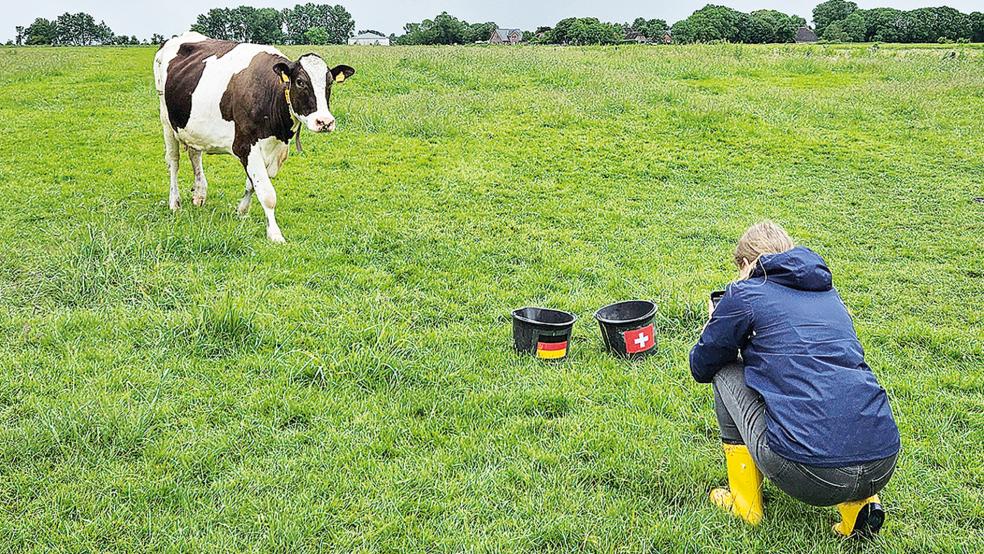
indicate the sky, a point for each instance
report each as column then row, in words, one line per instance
column 169, row 17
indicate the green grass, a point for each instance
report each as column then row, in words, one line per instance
column 177, row 383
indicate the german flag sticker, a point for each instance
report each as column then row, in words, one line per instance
column 551, row 350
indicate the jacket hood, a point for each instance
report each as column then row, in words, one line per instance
column 799, row 268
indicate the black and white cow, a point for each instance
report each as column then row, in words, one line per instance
column 248, row 100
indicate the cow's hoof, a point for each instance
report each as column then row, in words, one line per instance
column 174, row 204
column 275, row 237
column 198, row 200
column 243, row 209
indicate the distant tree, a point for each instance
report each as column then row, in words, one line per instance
column 243, row 24
column 935, row 24
column 20, row 34
column 42, row 31
column 885, row 25
column 560, row 34
column 834, row 32
column 445, row 29
column 770, row 26
column 828, row 12
column 300, row 18
column 123, row 40
column 589, row 30
column 719, row 23
column 584, row 30
column 476, row 32
column 711, row 23
column 316, row 35
column 340, row 26
column 852, row 29
column 215, row 24
column 157, row 39
column 241, row 20
column 265, row 26
column 103, row 33
column 652, row 29
column 81, row 29
column 335, row 20
column 977, row 26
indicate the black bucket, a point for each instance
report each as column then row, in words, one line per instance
column 543, row 332
column 627, row 328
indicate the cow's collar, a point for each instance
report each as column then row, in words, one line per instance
column 293, row 116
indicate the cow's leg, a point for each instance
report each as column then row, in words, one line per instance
column 276, row 160
column 256, row 169
column 172, row 154
column 243, row 207
column 201, row 185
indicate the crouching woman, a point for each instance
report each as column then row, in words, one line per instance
column 794, row 398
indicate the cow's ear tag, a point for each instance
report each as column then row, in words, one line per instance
column 340, row 78
column 286, row 80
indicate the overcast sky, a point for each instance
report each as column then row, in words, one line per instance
column 168, row 17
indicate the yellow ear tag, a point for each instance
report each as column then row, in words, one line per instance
column 340, row 78
column 286, row 80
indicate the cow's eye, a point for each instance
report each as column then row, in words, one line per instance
column 301, row 83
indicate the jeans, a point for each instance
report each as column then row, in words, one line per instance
column 742, row 419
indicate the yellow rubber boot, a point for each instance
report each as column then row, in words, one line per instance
column 744, row 499
column 863, row 518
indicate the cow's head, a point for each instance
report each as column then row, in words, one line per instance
column 310, row 81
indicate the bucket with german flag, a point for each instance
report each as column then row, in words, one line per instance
column 543, row 332
column 628, row 329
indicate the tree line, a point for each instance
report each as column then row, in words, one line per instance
column 843, row 21
column 834, row 21
column 719, row 23
column 444, row 29
column 303, row 24
column 74, row 29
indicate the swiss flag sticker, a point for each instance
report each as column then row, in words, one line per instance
column 639, row 340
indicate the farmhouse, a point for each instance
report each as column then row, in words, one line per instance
column 506, row 36
column 805, row 34
column 370, row 38
column 635, row 36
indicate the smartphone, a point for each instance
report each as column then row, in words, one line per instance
column 716, row 297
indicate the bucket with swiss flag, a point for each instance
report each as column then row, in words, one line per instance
column 627, row 328
column 543, row 332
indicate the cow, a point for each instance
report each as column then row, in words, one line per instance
column 248, row 100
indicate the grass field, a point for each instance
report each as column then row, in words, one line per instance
column 177, row 383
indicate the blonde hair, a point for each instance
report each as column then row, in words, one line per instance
column 765, row 237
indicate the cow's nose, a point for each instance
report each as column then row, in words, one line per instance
column 325, row 124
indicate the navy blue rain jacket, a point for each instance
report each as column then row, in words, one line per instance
column 801, row 353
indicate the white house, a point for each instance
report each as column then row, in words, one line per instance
column 371, row 39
